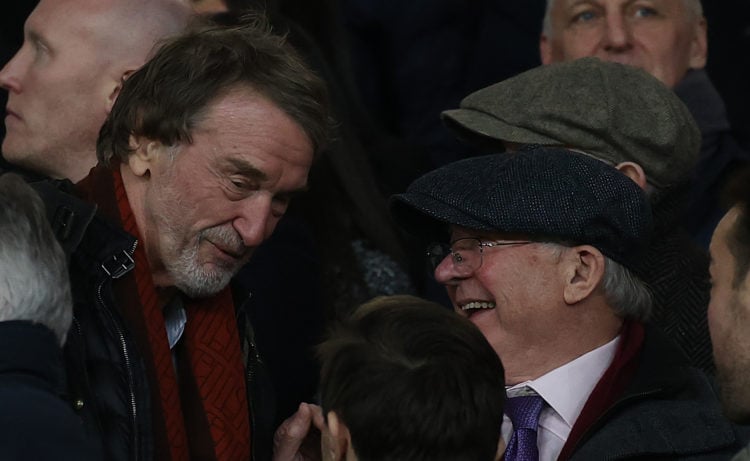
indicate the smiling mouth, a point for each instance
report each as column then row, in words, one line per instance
column 476, row 306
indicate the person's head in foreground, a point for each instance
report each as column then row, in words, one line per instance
column 666, row 38
column 729, row 310
column 212, row 138
column 34, row 283
column 407, row 379
column 538, row 248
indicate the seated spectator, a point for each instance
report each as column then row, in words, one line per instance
column 541, row 250
column 56, row 103
column 201, row 154
column 406, row 379
column 625, row 117
column 36, row 311
column 729, row 310
column 668, row 40
column 343, row 257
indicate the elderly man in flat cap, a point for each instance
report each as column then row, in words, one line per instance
column 625, row 117
column 541, row 250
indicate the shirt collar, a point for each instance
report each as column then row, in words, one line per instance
column 567, row 388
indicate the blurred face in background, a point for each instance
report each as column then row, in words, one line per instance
column 666, row 38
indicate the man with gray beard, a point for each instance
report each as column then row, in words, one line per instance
column 198, row 160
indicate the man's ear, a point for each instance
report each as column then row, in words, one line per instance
column 339, row 439
column 633, row 171
column 144, row 156
column 112, row 97
column 699, row 45
column 584, row 270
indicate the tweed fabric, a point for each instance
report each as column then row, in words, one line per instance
column 542, row 192
column 677, row 271
column 609, row 110
column 524, row 412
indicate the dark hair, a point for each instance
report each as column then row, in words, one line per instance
column 413, row 381
column 166, row 98
column 738, row 194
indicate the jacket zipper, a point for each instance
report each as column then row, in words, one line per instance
column 254, row 360
column 123, row 346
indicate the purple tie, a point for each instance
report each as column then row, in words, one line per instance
column 524, row 413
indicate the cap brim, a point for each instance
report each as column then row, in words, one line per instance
column 489, row 132
column 428, row 218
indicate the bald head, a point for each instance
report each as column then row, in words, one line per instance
column 128, row 30
column 66, row 76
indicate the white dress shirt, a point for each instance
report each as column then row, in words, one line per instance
column 565, row 390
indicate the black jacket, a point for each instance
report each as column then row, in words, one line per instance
column 669, row 411
column 36, row 423
column 108, row 384
column 720, row 154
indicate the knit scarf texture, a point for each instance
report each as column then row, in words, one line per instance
column 199, row 411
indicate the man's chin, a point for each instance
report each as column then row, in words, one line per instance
column 204, row 284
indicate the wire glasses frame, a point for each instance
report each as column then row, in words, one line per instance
column 466, row 253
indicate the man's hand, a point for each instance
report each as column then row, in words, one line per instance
column 298, row 438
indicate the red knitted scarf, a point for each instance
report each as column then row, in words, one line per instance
column 203, row 413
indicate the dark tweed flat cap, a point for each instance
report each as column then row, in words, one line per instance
column 543, row 192
column 612, row 111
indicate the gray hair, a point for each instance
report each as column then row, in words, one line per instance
column 625, row 293
column 693, row 6
column 628, row 295
column 34, row 283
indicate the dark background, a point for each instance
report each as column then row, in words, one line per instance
column 728, row 62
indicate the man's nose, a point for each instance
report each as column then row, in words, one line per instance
column 445, row 272
column 12, row 73
column 617, row 34
column 255, row 221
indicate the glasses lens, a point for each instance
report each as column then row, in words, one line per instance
column 466, row 255
column 436, row 253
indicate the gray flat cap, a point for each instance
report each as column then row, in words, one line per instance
column 612, row 111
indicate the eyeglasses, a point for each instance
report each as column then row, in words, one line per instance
column 466, row 253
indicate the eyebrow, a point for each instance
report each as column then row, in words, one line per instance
column 249, row 170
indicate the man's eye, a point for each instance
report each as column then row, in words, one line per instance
column 243, row 184
column 645, row 12
column 584, row 16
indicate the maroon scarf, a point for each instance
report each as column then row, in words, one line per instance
column 611, row 385
column 203, row 414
